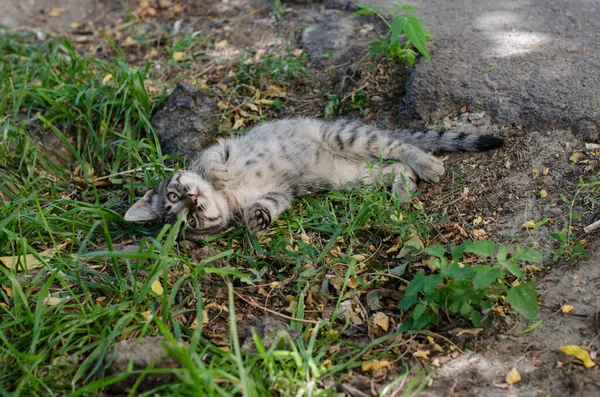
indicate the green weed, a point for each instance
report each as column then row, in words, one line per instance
column 405, row 25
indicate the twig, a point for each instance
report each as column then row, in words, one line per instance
column 593, row 226
column 128, row 172
column 252, row 303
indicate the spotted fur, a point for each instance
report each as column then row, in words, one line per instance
column 255, row 176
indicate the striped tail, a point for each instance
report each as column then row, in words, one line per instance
column 449, row 141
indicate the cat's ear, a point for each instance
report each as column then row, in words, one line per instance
column 142, row 210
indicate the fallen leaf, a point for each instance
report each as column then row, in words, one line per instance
column 177, row 55
column 566, row 309
column 55, row 12
column 353, row 283
column 546, row 171
column 240, row 123
column 129, row 41
column 536, row 173
column 529, row 225
column 147, row 315
column 29, row 260
column 474, row 331
column 107, row 78
column 52, row 301
column 359, row 257
column 575, row 157
column 579, row 353
column 382, row 320
column 297, row 52
column 177, row 8
column 157, row 287
column 221, row 44
column 421, row 354
column 543, row 193
column 375, row 365
column 513, row 377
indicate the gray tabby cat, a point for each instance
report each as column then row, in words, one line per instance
column 255, row 176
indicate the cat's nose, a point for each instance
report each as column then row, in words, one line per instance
column 193, row 198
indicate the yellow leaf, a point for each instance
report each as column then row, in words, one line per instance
column 252, row 106
column 107, row 78
column 221, row 44
column 543, row 193
column 353, row 283
column 375, row 365
column 575, row 157
column 157, row 287
column 421, row 354
column 579, row 353
column 177, row 55
column 129, row 41
column 359, row 257
column 513, row 377
column 7, row 291
column 55, row 12
column 177, row 8
column 327, row 363
column 239, row 123
column 29, row 260
column 536, row 173
column 382, row 320
column 144, row 4
column 529, row 225
column 147, row 315
column 566, row 309
column 297, row 52
column 52, row 301
column 546, row 171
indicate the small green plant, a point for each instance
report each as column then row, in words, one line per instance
column 469, row 291
column 405, row 25
column 570, row 247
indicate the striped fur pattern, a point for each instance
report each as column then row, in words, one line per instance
column 254, row 177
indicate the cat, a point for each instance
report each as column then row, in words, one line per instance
column 255, row 176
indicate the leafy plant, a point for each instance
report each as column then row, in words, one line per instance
column 570, row 246
column 469, row 291
column 405, row 25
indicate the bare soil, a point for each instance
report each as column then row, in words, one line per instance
column 485, row 195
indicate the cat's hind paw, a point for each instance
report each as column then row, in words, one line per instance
column 428, row 167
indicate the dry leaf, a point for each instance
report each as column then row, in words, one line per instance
column 177, row 55
column 579, row 353
column 177, row 8
column 252, row 106
column 147, row 315
column 129, row 41
column 221, row 44
column 513, row 377
column 375, row 365
column 353, row 283
column 546, row 171
column 359, row 257
column 529, row 225
column 297, row 52
column 543, row 193
column 157, row 287
column 239, row 123
column 107, row 78
column 52, row 301
column 566, row 309
column 474, row 331
column 55, row 12
column 575, row 157
column 421, row 354
column 536, row 173
column 382, row 320
column 30, row 261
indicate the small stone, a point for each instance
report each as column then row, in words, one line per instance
column 476, row 116
column 376, row 98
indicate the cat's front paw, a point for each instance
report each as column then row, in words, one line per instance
column 428, row 167
column 258, row 218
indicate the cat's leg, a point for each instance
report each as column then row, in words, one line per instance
column 212, row 164
column 359, row 140
column 402, row 178
column 259, row 213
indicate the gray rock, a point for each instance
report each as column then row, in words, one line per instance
column 182, row 122
column 534, row 64
column 148, row 352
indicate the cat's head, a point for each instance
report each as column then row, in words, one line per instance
column 204, row 210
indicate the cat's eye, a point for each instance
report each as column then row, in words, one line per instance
column 173, row 197
column 192, row 221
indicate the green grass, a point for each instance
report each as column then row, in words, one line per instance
column 59, row 320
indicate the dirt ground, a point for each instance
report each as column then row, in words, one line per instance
column 491, row 195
